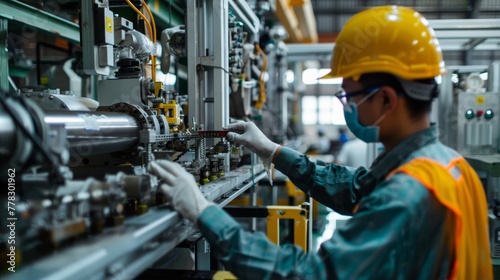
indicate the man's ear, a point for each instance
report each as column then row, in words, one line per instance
column 390, row 99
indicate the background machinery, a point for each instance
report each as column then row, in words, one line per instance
column 81, row 201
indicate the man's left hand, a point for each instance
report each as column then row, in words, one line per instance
column 180, row 188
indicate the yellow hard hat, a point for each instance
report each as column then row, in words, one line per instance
column 389, row 39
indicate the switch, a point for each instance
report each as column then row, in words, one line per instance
column 479, row 113
column 469, row 114
column 488, row 114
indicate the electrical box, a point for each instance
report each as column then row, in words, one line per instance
column 477, row 122
column 494, row 224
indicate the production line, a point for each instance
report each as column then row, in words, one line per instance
column 87, row 207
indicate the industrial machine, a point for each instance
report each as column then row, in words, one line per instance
column 81, row 203
column 468, row 109
column 476, row 108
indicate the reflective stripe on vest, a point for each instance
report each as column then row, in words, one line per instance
column 459, row 189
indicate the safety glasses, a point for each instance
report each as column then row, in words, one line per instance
column 346, row 97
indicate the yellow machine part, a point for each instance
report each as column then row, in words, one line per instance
column 224, row 275
column 158, row 87
column 171, row 111
column 300, row 197
column 296, row 213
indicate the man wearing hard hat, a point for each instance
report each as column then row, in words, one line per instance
column 419, row 212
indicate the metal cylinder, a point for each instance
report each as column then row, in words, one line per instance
column 91, row 133
column 7, row 135
column 15, row 147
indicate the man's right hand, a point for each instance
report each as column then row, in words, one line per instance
column 250, row 136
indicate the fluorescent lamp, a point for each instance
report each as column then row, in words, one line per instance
column 290, row 76
column 311, row 77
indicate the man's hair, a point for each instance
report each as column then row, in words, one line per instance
column 417, row 108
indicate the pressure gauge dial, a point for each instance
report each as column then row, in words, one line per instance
column 474, row 82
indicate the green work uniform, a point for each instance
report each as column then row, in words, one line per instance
column 398, row 231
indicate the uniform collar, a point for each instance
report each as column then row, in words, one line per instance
column 400, row 153
column 366, row 180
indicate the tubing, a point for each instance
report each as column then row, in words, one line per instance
column 91, row 133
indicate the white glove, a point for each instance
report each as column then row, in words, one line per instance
column 180, row 188
column 250, row 136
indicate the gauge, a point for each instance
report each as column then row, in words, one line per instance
column 474, row 81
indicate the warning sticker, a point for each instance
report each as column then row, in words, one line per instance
column 480, row 99
column 109, row 25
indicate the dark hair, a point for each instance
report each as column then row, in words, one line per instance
column 416, row 107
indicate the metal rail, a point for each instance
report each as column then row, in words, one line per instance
column 124, row 252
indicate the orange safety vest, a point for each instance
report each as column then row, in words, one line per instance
column 465, row 197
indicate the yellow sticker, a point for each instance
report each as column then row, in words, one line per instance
column 109, row 25
column 44, row 80
column 480, row 99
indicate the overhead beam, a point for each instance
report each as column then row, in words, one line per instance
column 424, row 10
column 467, row 34
column 289, row 20
column 35, row 18
column 303, row 52
column 323, row 51
column 485, row 46
column 297, row 16
column 463, row 24
column 307, row 22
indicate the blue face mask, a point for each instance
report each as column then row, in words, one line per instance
column 368, row 134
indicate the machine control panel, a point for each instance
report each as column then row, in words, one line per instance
column 477, row 127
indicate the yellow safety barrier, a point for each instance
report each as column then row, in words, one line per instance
column 224, row 275
column 298, row 214
column 296, row 196
column 293, row 190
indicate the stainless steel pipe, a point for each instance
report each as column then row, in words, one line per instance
column 7, row 136
column 91, row 133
